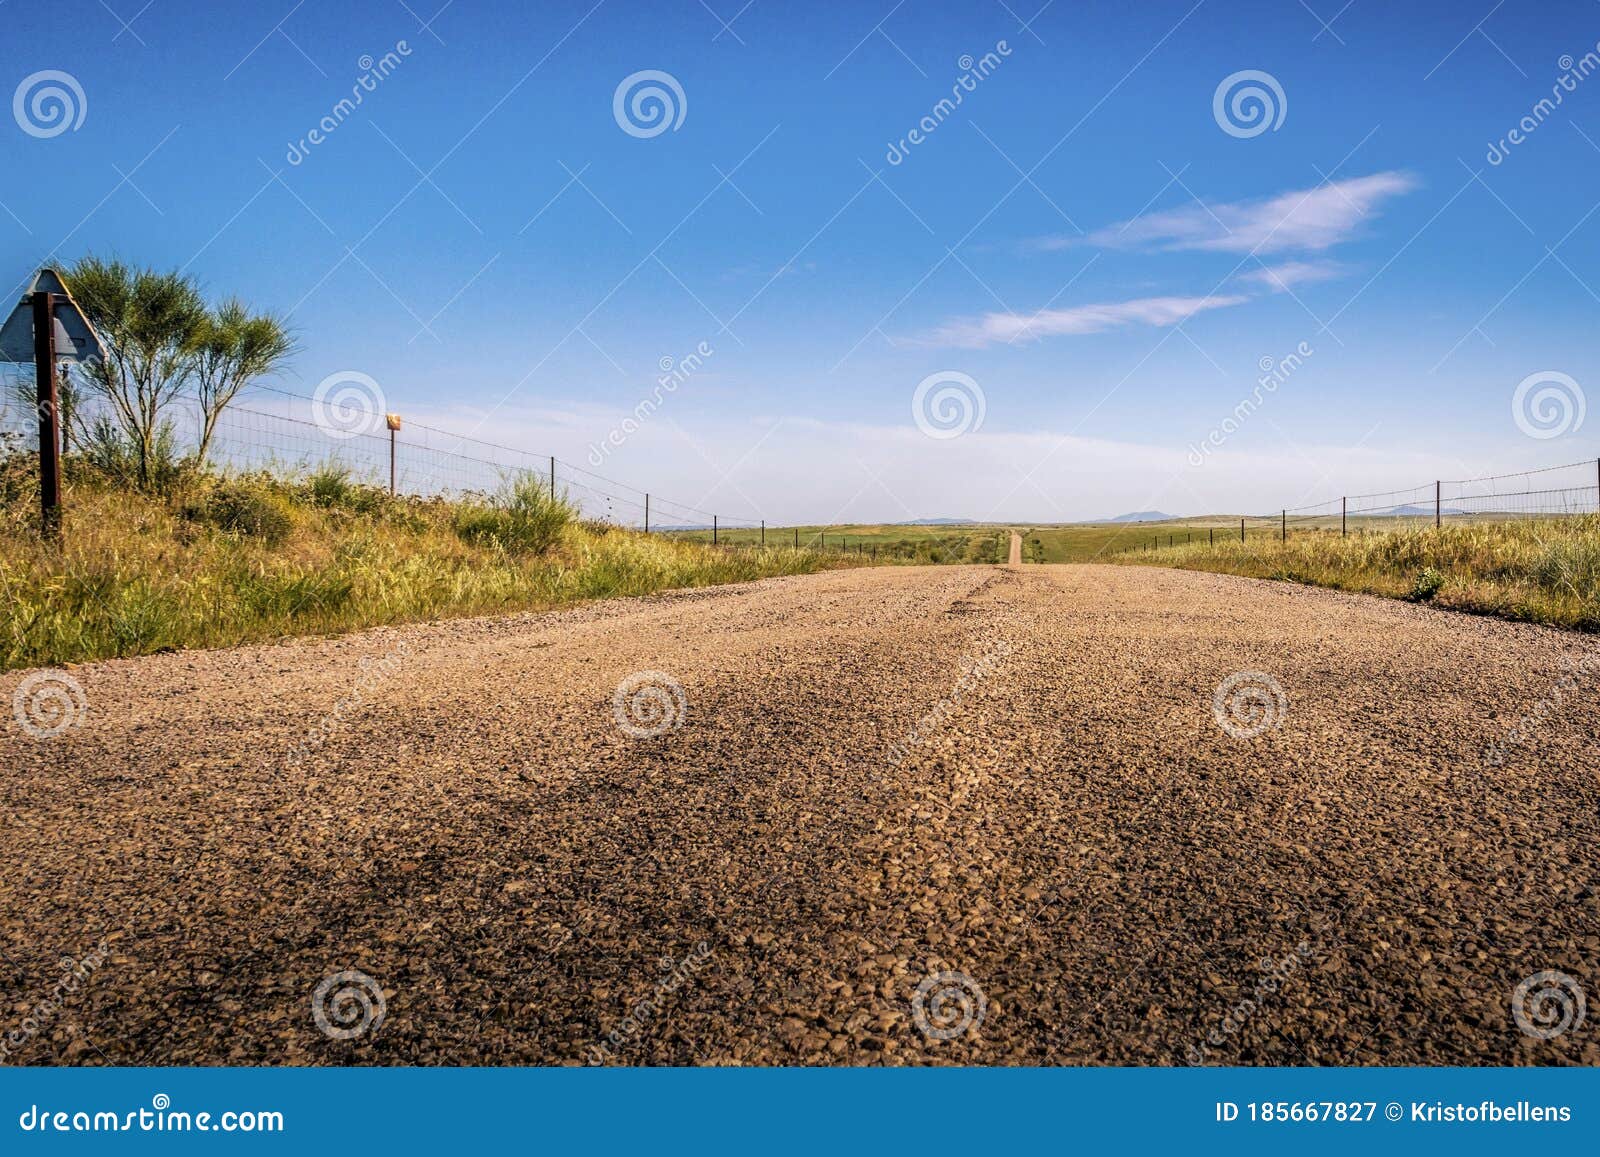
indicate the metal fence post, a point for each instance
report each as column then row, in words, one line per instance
column 1241, row 530
column 713, row 530
column 552, row 478
column 1213, row 536
column 797, row 538
column 1344, row 510
column 763, row 532
column 393, row 422
column 49, row 406
column 1437, row 517
column 647, row 513
column 1284, row 537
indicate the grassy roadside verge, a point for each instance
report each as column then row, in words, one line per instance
column 1537, row 571
column 218, row 562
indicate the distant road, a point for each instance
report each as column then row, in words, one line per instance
column 1016, row 549
column 880, row 776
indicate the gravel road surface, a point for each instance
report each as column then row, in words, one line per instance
column 979, row 815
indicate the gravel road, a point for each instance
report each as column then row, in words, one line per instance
column 981, row 815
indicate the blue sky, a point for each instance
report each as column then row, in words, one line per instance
column 1080, row 237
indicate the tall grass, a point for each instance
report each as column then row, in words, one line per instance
column 227, row 560
column 1533, row 570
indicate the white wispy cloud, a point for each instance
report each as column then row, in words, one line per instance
column 1301, row 219
column 1291, row 273
column 994, row 328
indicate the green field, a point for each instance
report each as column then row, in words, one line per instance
column 1079, row 542
column 886, row 544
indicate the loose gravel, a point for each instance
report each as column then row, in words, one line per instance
column 971, row 815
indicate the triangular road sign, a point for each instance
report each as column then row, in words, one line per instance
column 76, row 339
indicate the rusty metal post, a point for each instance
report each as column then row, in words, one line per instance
column 797, row 538
column 393, row 422
column 49, row 406
column 1213, row 536
column 1284, row 537
column 713, row 530
column 1437, row 516
column 1344, row 510
column 1241, row 530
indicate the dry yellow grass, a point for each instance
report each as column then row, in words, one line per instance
column 1540, row 571
column 247, row 560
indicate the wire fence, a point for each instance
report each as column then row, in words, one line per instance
column 1548, row 492
column 291, row 434
column 287, row 433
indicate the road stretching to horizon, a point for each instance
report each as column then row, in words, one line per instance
column 1042, row 814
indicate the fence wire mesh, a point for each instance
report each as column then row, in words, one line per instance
column 290, row 434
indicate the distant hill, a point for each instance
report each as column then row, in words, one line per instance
column 1142, row 516
column 1413, row 510
column 936, row 522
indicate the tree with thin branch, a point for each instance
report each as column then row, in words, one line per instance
column 232, row 348
column 150, row 323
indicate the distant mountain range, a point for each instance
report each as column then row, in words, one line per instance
column 936, row 522
column 1142, row 516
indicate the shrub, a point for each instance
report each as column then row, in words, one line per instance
column 114, row 455
column 330, row 486
column 522, row 518
column 254, row 509
column 1428, row 583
